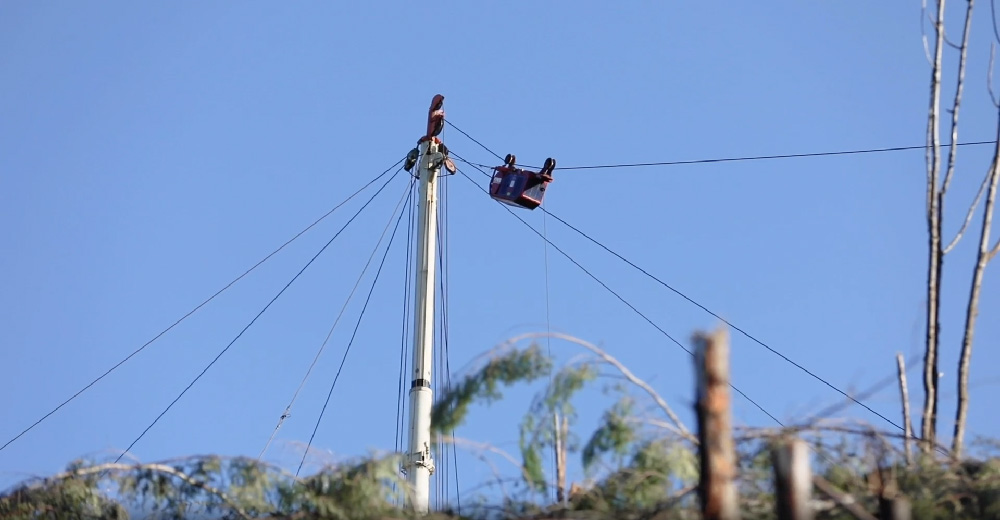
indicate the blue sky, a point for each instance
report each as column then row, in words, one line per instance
column 150, row 154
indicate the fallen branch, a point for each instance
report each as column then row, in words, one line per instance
column 156, row 468
column 842, row 499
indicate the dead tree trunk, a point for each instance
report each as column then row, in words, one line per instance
column 904, row 395
column 792, row 480
column 935, row 252
column 716, row 489
column 935, row 209
column 972, row 312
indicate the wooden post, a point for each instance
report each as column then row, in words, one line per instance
column 891, row 504
column 561, row 427
column 718, row 462
column 792, row 480
column 905, row 396
column 896, row 508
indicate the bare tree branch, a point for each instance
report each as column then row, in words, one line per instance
column 632, row 378
column 933, row 144
column 972, row 311
column 904, row 395
column 923, row 31
column 993, row 18
column 989, row 76
column 972, row 210
column 665, row 510
column 656, row 423
column 842, row 427
column 480, row 449
column 956, row 105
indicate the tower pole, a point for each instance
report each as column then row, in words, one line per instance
column 420, row 463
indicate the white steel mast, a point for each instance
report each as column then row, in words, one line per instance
column 419, row 463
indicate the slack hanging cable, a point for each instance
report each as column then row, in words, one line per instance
column 192, row 311
column 612, row 291
column 557, row 431
column 254, row 320
column 709, row 311
column 288, row 409
column 347, row 350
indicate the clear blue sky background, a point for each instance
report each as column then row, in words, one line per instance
column 149, row 154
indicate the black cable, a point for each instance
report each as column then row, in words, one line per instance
column 443, row 264
column 727, row 322
column 447, row 353
column 473, row 139
column 283, row 289
column 721, row 159
column 192, row 311
column 875, row 388
column 766, row 157
column 730, row 159
column 442, row 473
column 714, row 314
column 319, row 352
column 347, row 350
column 403, row 350
column 872, row 390
column 612, row 291
column 403, row 344
column 441, row 463
column 718, row 160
